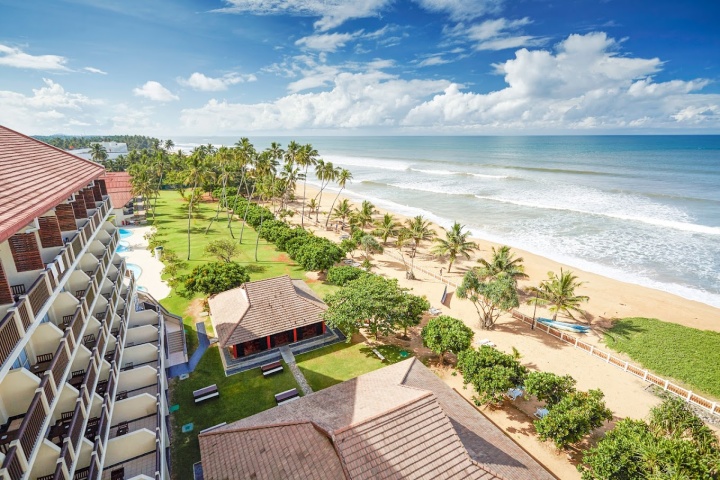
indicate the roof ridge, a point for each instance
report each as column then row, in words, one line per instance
column 259, row 427
column 52, row 146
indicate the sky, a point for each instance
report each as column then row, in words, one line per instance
column 361, row 67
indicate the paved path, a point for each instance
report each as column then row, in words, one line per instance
column 189, row 366
column 289, row 358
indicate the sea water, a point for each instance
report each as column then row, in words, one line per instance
column 642, row 209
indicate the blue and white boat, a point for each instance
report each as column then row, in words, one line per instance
column 570, row 327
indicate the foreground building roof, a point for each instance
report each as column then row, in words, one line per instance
column 265, row 307
column 35, row 178
column 399, row 422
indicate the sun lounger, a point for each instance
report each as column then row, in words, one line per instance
column 514, row 393
column 434, row 311
column 485, row 342
column 541, row 412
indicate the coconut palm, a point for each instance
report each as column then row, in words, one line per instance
column 386, row 227
column 222, row 159
column 326, row 172
column 369, row 246
column 363, row 217
column 276, row 154
column 196, row 173
column 342, row 176
column 418, row 229
column 305, row 157
column 289, row 176
column 98, row 153
column 454, row 244
column 558, row 291
column 312, row 206
column 240, row 159
column 343, row 211
column 503, row 262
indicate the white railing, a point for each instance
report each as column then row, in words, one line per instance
column 646, row 376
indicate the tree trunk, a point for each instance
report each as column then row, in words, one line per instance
column 332, row 206
column 302, row 216
column 190, row 205
column 220, row 203
column 242, row 229
column 257, row 238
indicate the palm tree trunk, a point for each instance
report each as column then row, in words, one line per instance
column 242, row 229
column 302, row 216
column 157, row 194
column 223, row 200
column 333, row 206
column 232, row 212
column 257, row 238
column 190, row 205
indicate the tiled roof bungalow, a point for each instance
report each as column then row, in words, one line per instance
column 399, row 422
column 82, row 382
column 253, row 320
column 119, row 189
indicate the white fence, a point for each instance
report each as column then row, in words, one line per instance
column 646, row 376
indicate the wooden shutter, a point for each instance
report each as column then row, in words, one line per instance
column 103, row 187
column 50, row 235
column 79, row 207
column 96, row 192
column 89, row 197
column 6, row 295
column 66, row 217
column 25, row 252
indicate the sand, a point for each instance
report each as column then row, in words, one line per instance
column 626, row 395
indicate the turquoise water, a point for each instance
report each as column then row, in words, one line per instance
column 137, row 271
column 642, row 209
column 123, row 246
column 124, row 233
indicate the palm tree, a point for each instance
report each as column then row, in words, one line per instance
column 343, row 211
column 222, row 159
column 197, row 172
column 503, row 263
column 276, row 154
column 305, row 157
column 290, row 175
column 559, row 293
column 243, row 152
column 454, row 244
column 363, row 217
column 342, row 176
column 98, row 153
column 369, row 246
column 418, row 229
column 387, row 227
column 325, row 172
column 312, row 206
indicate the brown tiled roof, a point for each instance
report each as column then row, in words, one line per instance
column 262, row 308
column 289, row 451
column 35, row 177
column 397, row 422
column 118, row 187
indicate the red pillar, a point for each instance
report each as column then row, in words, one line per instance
column 294, row 334
column 234, row 351
column 268, row 342
column 323, row 324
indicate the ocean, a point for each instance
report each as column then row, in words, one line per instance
column 641, row 209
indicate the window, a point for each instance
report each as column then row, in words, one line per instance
column 22, row 361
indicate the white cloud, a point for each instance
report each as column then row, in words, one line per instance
column 585, row 84
column 14, row 57
column 433, row 60
column 462, row 9
column 50, row 108
column 155, row 92
column 497, row 34
column 94, row 70
column 327, row 42
column 333, row 13
column 199, row 81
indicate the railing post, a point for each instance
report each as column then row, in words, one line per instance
column 667, row 382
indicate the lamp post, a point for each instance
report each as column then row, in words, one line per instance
column 537, row 294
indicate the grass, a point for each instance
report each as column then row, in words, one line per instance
column 241, row 395
column 171, row 226
column 686, row 354
column 334, row 364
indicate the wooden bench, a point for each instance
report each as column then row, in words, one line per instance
column 270, row 368
column 378, row 354
column 287, row 396
column 206, row 393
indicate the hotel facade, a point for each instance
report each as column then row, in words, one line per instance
column 83, row 388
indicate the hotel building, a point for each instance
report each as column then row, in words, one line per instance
column 82, row 355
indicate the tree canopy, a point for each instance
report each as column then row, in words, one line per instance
column 491, row 372
column 490, row 296
column 215, row 277
column 558, row 291
column 446, row 334
column 574, row 416
column 549, row 387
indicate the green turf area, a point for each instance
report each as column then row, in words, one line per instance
column 171, row 224
column 334, row 364
column 241, row 395
column 686, row 354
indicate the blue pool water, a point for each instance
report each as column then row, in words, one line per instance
column 123, row 246
column 142, row 289
column 137, row 271
column 124, row 233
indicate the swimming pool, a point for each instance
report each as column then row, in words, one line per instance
column 142, row 288
column 125, row 233
column 123, row 246
column 137, row 271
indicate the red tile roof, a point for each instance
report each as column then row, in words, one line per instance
column 265, row 307
column 34, row 177
column 398, row 422
column 118, row 187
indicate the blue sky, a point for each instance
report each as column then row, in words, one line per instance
column 252, row 67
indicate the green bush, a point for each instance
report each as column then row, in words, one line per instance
column 574, row 416
column 215, row 277
column 343, row 274
column 446, row 334
column 491, row 372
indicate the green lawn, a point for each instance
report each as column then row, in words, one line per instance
column 686, row 354
column 171, row 225
column 241, row 395
column 334, row 364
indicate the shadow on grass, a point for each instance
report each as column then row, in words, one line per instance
column 623, row 330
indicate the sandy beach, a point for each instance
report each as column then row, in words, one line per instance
column 626, row 395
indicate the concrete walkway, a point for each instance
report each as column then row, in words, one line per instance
column 189, row 366
column 289, row 358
